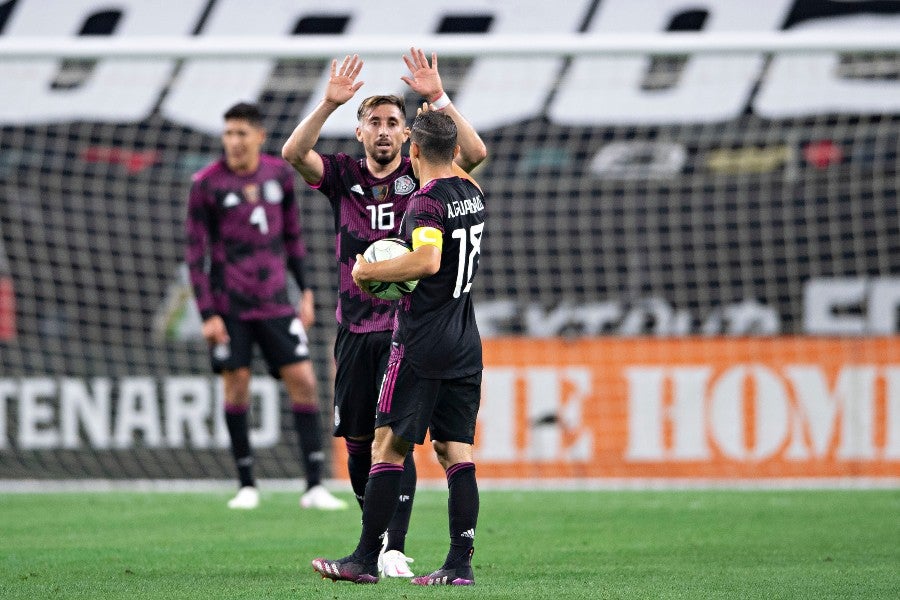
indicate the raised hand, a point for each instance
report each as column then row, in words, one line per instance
column 342, row 84
column 423, row 78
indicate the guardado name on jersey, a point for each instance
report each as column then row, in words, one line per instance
column 464, row 207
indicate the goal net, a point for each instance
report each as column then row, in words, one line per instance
column 691, row 267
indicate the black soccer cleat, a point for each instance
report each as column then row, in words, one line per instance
column 345, row 569
column 459, row 576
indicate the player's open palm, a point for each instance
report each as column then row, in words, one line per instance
column 342, row 84
column 423, row 78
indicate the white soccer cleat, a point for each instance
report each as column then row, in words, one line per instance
column 247, row 498
column 394, row 563
column 319, row 498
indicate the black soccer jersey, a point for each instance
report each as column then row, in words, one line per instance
column 365, row 209
column 436, row 323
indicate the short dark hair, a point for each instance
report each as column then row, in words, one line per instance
column 373, row 101
column 245, row 111
column 435, row 133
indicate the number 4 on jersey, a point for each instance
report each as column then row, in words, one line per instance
column 258, row 218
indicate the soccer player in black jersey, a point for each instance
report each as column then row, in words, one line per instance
column 243, row 235
column 433, row 379
column 368, row 197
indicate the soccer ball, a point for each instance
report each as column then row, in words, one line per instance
column 383, row 250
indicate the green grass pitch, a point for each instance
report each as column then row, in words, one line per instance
column 530, row 545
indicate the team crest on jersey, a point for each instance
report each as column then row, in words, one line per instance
column 251, row 193
column 379, row 192
column 272, row 191
column 404, row 185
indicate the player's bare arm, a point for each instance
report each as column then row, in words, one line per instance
column 298, row 149
column 472, row 149
column 425, row 79
column 422, row 262
column 306, row 309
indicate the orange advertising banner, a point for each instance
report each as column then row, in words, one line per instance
column 684, row 408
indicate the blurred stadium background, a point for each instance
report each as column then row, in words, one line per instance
column 692, row 271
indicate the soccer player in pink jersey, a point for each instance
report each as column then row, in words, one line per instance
column 243, row 237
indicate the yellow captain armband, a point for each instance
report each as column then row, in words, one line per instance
column 427, row 236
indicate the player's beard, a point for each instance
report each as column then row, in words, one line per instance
column 383, row 156
column 385, row 159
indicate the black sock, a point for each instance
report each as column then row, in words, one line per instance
column 359, row 462
column 379, row 505
column 462, row 507
column 309, row 438
column 238, row 431
column 399, row 524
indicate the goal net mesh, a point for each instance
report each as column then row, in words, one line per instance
column 656, row 227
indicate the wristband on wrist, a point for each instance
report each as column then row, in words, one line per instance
column 441, row 102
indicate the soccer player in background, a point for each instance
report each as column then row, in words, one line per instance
column 243, row 235
column 368, row 197
column 433, row 378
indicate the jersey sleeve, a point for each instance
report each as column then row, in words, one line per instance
column 331, row 176
column 423, row 211
column 295, row 248
column 197, row 226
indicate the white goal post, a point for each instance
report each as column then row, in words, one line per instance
column 329, row 46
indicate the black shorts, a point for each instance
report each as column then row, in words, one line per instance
column 412, row 405
column 360, row 360
column 282, row 341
